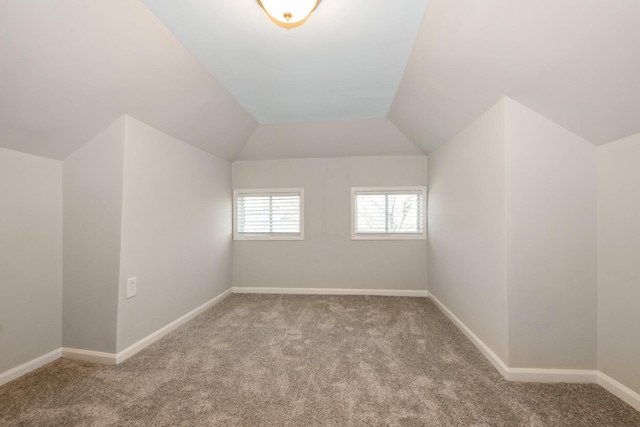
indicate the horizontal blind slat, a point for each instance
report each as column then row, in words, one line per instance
column 268, row 213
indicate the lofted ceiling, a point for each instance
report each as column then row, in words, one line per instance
column 338, row 138
column 361, row 77
column 70, row 68
column 345, row 62
column 577, row 62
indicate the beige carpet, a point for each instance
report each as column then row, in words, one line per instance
column 305, row 361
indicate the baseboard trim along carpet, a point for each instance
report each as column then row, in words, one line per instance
column 330, row 291
column 92, row 356
column 121, row 356
column 512, row 374
column 619, row 390
column 29, row 366
column 543, row 375
column 150, row 339
column 484, row 349
column 108, row 358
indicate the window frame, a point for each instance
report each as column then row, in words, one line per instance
column 388, row 236
column 267, row 236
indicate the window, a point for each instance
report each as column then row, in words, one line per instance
column 269, row 214
column 388, row 213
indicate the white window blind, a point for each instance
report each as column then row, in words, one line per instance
column 268, row 214
column 389, row 212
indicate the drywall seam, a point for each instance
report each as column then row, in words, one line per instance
column 244, row 146
column 406, row 136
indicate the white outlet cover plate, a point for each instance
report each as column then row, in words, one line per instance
column 131, row 287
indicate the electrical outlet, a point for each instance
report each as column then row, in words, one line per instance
column 132, row 285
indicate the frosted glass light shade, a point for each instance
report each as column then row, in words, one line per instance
column 289, row 13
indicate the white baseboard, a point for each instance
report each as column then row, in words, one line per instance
column 330, row 291
column 121, row 356
column 538, row 375
column 493, row 358
column 544, row 375
column 29, row 366
column 512, row 374
column 619, row 390
column 89, row 356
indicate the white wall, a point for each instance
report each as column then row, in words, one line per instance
column 176, row 230
column 92, row 212
column 512, row 249
column 328, row 258
column 618, row 264
column 30, row 257
column 551, row 243
column 467, row 228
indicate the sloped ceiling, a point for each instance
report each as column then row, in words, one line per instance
column 576, row 62
column 345, row 62
column 338, row 138
column 72, row 67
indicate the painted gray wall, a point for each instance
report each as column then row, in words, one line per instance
column 92, row 181
column 467, row 228
column 512, row 249
column 30, row 257
column 551, row 243
column 328, row 258
column 176, row 230
column 618, row 266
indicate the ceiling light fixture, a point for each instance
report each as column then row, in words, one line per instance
column 288, row 13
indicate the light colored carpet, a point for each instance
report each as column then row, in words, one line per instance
column 305, row 361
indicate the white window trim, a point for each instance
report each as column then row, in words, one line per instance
column 389, row 236
column 239, row 236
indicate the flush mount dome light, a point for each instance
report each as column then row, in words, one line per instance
column 288, row 13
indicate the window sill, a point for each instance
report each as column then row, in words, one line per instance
column 263, row 237
column 389, row 237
